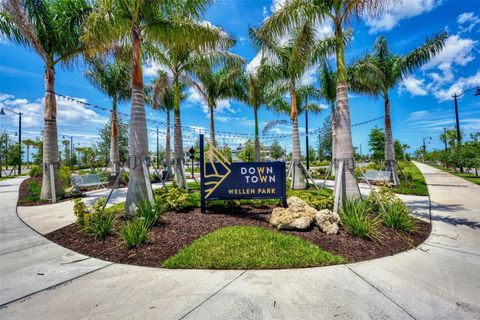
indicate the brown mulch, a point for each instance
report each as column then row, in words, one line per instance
column 24, row 193
column 180, row 229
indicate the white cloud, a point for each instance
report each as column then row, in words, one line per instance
column 151, row 69
column 458, row 87
column 457, row 50
column 467, row 17
column 404, row 9
column 414, row 86
column 68, row 112
column 195, row 99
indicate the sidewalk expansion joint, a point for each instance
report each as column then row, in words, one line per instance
column 381, row 292
column 212, row 295
column 5, row 305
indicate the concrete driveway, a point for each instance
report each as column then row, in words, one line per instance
column 440, row 280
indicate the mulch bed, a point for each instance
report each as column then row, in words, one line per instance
column 24, row 193
column 179, row 229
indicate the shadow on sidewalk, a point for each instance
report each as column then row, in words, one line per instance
column 452, row 220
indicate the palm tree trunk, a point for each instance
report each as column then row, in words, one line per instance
column 334, row 135
column 298, row 179
column 346, row 185
column 50, row 138
column 257, row 140
column 390, row 163
column 212, row 126
column 168, row 148
column 114, row 149
column 177, row 139
column 138, row 139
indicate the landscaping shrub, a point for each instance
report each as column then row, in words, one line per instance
column 35, row 171
column 65, row 173
column 395, row 217
column 387, row 197
column 173, row 198
column 98, row 222
column 135, row 233
column 355, row 216
column 79, row 210
column 149, row 212
column 313, row 198
column 34, row 189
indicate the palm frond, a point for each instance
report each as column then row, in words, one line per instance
column 272, row 124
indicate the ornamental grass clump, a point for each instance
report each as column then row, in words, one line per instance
column 135, row 233
column 356, row 218
column 150, row 212
column 395, row 217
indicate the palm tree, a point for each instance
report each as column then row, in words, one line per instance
column 381, row 71
column 215, row 81
column 67, row 156
column 180, row 59
column 286, row 65
column 114, row 81
column 254, row 94
column 52, row 29
column 295, row 12
column 449, row 137
column 154, row 21
column 28, row 143
column 328, row 91
column 303, row 93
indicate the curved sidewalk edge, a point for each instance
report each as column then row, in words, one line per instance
column 439, row 281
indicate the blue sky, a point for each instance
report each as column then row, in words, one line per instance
column 421, row 105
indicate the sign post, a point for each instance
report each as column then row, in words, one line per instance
column 222, row 180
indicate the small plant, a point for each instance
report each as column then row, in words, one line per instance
column 135, row 233
column 150, row 212
column 395, row 217
column 174, row 199
column 34, row 190
column 355, row 216
column 384, row 198
column 79, row 210
column 98, row 222
column 35, row 171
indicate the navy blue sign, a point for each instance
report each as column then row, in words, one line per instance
column 222, row 180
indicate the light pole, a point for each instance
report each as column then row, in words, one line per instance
column 71, row 148
column 19, row 114
column 425, row 146
column 455, row 96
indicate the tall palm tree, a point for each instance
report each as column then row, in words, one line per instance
column 286, row 65
column 254, row 94
column 28, row 143
column 215, row 81
column 381, row 71
column 179, row 60
column 52, row 28
column 449, row 137
column 113, row 79
column 154, row 21
column 295, row 12
column 328, row 91
column 280, row 105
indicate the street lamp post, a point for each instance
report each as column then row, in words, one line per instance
column 425, row 146
column 455, row 96
column 71, row 148
column 19, row 114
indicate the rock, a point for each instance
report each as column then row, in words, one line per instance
column 327, row 221
column 299, row 215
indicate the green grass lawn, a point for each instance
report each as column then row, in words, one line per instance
column 415, row 184
column 467, row 176
column 250, row 248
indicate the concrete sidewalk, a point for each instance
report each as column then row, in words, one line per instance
column 440, row 281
